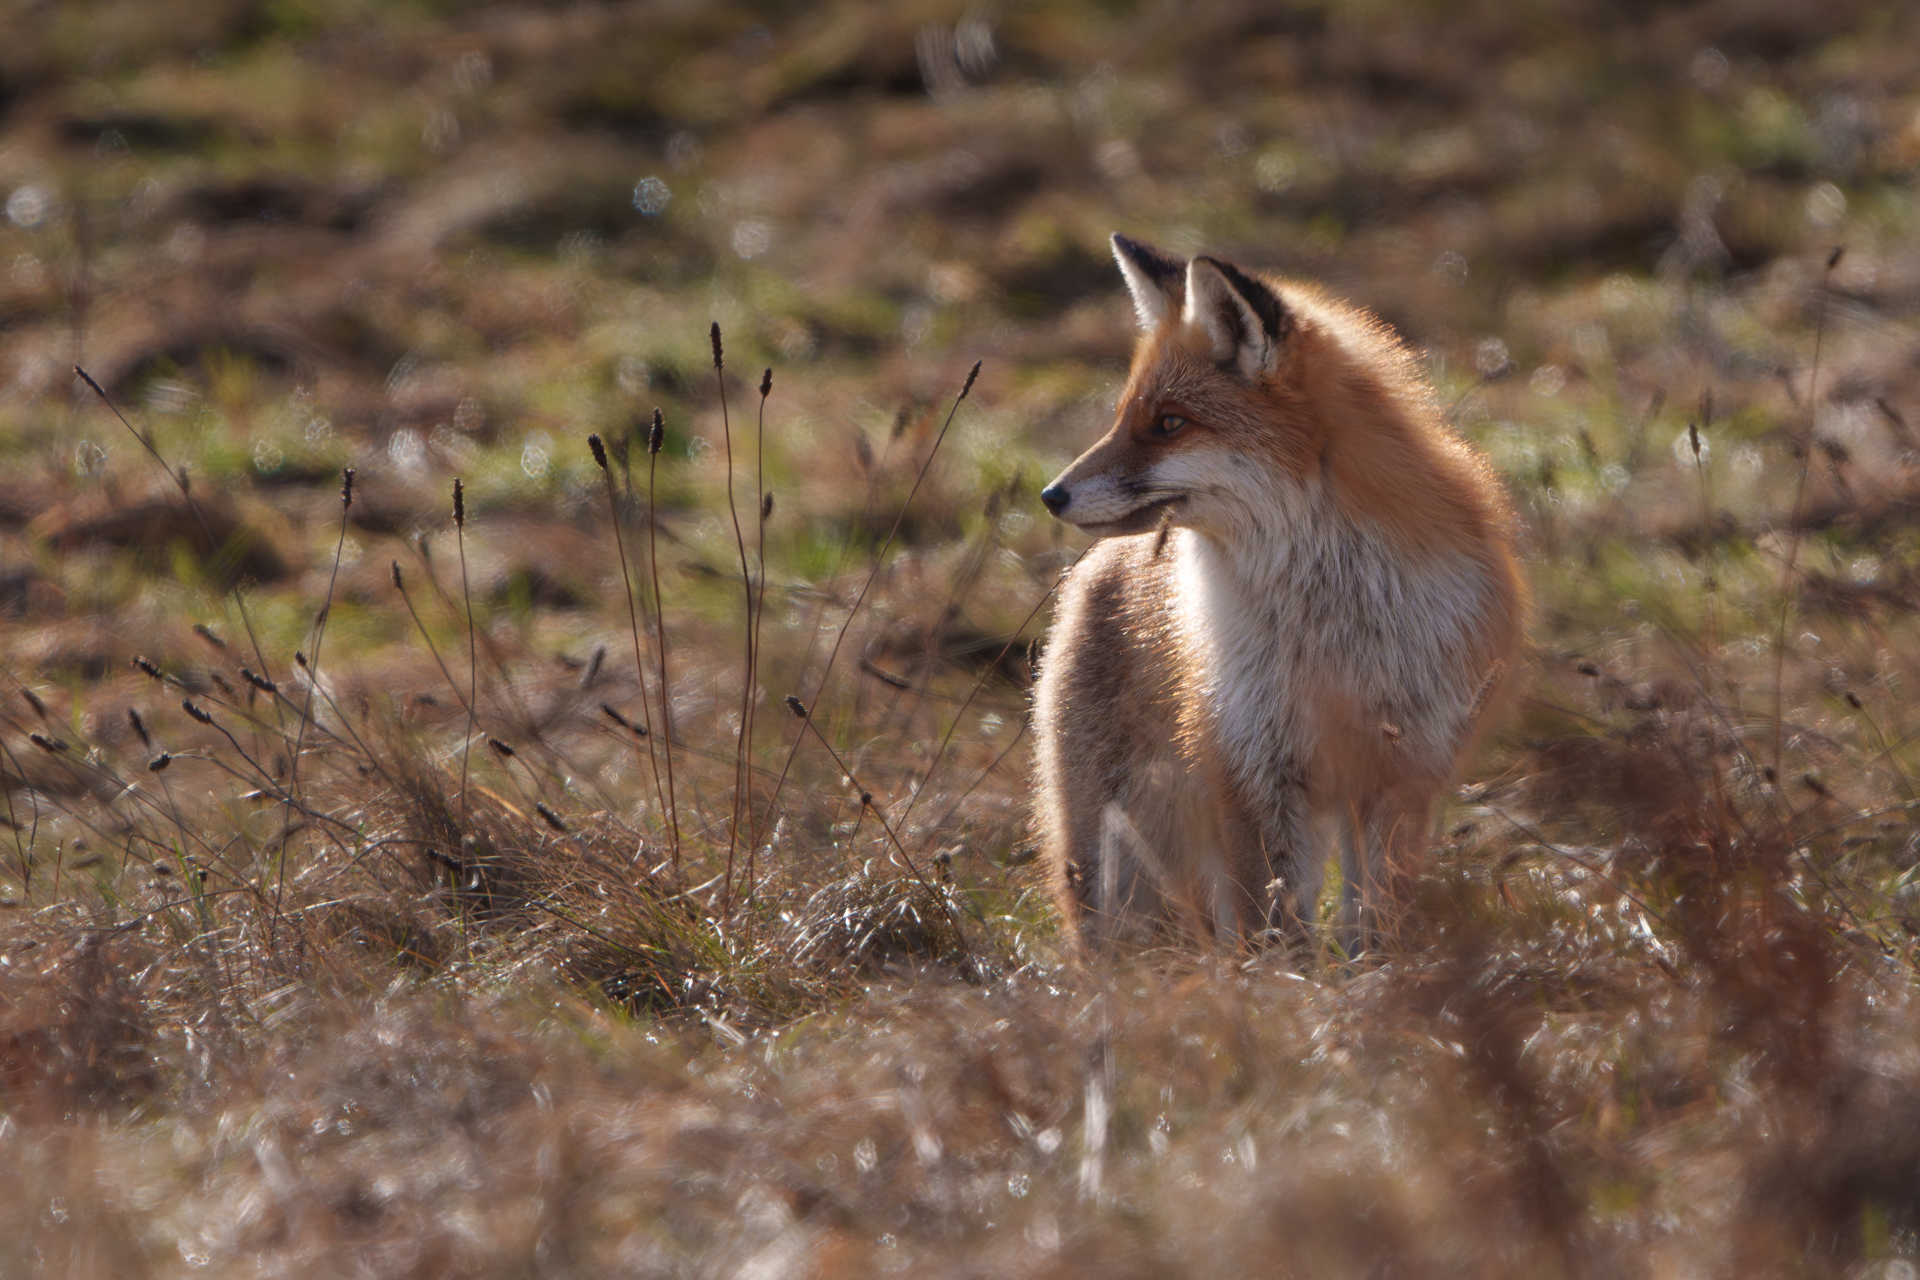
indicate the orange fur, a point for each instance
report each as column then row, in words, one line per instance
column 1313, row 651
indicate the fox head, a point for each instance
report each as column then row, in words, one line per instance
column 1225, row 412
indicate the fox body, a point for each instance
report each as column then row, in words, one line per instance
column 1303, row 604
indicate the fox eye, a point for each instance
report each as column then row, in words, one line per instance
column 1169, row 424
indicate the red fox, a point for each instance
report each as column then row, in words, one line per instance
column 1303, row 605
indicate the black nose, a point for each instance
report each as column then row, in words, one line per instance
column 1056, row 498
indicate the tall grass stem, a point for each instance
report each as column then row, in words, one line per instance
column 839, row 639
column 656, row 439
column 473, row 650
column 633, row 616
column 306, row 710
column 1795, row 517
column 762, row 511
column 746, row 582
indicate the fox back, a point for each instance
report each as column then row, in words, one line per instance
column 1303, row 605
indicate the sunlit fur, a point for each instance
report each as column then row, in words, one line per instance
column 1302, row 660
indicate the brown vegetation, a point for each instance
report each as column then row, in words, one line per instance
column 358, row 927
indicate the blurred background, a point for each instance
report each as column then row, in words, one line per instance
column 433, row 238
column 426, row 972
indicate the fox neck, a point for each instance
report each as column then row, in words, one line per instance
column 1240, row 640
column 1278, row 531
column 1267, row 626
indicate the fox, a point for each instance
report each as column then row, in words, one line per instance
column 1300, row 612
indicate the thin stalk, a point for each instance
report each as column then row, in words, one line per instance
column 965, row 579
column 509, row 689
column 473, row 653
column 633, row 617
column 746, row 580
column 400, row 585
column 763, row 505
column 507, row 755
column 980, row 682
column 306, row 711
column 13, row 822
column 985, row 773
column 867, row 803
column 246, row 623
column 203, row 716
column 1710, row 628
column 865, row 587
column 656, row 437
column 1793, row 521
column 179, row 479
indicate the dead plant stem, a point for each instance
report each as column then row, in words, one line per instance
column 746, row 681
column 867, row 802
column 865, row 587
column 473, row 657
column 757, row 609
column 980, row 682
column 656, row 437
column 306, row 711
column 1796, row 513
column 633, row 621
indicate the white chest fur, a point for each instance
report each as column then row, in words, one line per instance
column 1316, row 606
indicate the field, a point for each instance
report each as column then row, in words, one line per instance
column 592, row 839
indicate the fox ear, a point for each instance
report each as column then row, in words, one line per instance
column 1243, row 317
column 1155, row 280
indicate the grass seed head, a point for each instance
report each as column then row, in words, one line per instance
column 656, row 433
column 598, row 449
column 46, row 744
column 195, row 711
column 140, row 727
column 346, row 489
column 714, row 334
column 766, row 383
column 459, row 504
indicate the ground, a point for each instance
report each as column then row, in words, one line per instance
column 436, row 885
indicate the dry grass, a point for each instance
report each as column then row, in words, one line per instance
column 361, row 931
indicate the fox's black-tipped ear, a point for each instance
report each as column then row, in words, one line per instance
column 1245, row 319
column 1156, row 281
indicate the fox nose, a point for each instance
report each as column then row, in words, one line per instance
column 1056, row 497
